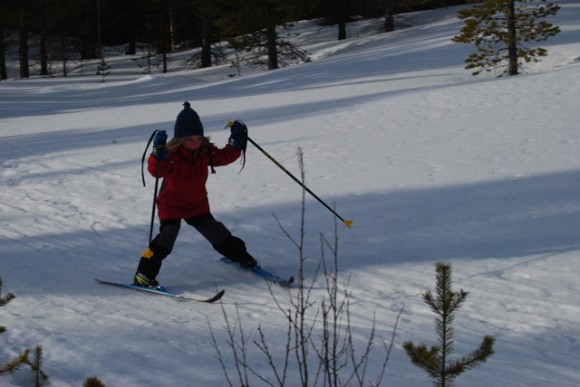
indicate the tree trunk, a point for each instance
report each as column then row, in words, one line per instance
column 131, row 48
column 3, row 70
column 23, row 50
column 43, row 55
column 206, row 40
column 512, row 39
column 272, row 46
column 64, row 63
column 171, row 31
column 99, row 31
column 390, row 10
column 342, row 15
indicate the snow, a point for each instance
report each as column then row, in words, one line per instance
column 430, row 163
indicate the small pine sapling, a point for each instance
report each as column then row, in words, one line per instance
column 37, row 374
column 103, row 68
column 4, row 300
column 435, row 360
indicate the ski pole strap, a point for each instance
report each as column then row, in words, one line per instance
column 154, row 203
column 145, row 155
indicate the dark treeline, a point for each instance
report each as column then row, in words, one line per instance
column 62, row 30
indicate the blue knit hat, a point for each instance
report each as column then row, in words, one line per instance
column 187, row 123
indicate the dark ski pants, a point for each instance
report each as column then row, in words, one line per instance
column 215, row 232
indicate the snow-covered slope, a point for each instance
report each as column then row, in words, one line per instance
column 430, row 163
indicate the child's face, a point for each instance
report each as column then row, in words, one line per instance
column 192, row 143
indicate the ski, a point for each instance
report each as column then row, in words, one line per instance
column 163, row 292
column 258, row 270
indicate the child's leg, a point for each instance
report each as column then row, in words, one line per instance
column 222, row 239
column 160, row 247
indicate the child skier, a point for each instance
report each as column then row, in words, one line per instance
column 183, row 164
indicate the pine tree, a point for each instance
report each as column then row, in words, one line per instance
column 500, row 30
column 435, row 360
column 250, row 27
column 3, row 301
column 35, row 365
column 23, row 357
column 103, row 69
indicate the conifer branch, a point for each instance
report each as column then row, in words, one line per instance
column 434, row 360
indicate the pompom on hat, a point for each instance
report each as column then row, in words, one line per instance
column 187, row 123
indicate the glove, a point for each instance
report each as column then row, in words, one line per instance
column 238, row 134
column 159, row 150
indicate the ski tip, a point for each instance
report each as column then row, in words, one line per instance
column 348, row 223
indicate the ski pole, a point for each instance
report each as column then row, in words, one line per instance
column 347, row 223
column 148, row 252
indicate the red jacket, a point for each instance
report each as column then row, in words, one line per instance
column 183, row 193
